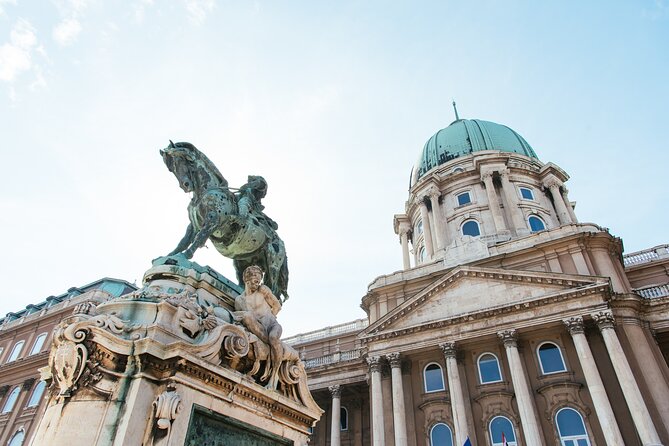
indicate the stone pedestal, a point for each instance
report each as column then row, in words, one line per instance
column 165, row 366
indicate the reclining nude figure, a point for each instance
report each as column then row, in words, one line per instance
column 256, row 308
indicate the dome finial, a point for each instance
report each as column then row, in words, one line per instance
column 457, row 118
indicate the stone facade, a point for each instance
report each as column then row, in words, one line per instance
column 508, row 316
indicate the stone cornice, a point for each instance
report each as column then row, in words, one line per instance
column 524, row 277
column 587, row 232
column 490, row 312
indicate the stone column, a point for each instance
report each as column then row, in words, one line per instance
column 512, row 200
column 521, row 387
column 335, row 431
column 570, row 209
column 457, row 396
column 640, row 415
column 558, row 202
column 440, row 235
column 607, row 419
column 493, row 202
column 378, row 434
column 399, row 413
column 404, row 240
column 427, row 232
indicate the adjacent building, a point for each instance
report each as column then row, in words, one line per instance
column 25, row 340
column 510, row 321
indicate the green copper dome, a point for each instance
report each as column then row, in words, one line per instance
column 466, row 136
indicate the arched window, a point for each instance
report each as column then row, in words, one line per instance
column 37, row 346
column 458, row 170
column 434, row 379
column 471, row 227
column 37, row 394
column 536, row 224
column 571, row 428
column 17, row 439
column 441, row 435
column 11, row 400
column 419, row 227
column 489, row 371
column 550, row 358
column 501, row 429
column 421, row 254
column 343, row 419
column 16, row 351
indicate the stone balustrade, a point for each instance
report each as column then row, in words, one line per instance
column 647, row 255
column 653, row 292
column 326, row 332
column 333, row 358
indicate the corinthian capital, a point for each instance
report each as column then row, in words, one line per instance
column 574, row 325
column 394, row 360
column 551, row 183
column 604, row 319
column 432, row 193
column 374, row 363
column 509, row 338
column 335, row 391
column 448, row 348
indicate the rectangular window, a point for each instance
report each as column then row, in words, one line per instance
column 464, row 199
column 526, row 193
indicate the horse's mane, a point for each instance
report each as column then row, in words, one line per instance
column 207, row 163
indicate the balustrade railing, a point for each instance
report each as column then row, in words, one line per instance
column 647, row 255
column 327, row 332
column 653, row 292
column 333, row 358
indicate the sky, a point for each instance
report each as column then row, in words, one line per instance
column 331, row 102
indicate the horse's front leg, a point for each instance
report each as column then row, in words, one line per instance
column 185, row 241
column 208, row 228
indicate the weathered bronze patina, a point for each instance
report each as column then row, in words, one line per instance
column 234, row 222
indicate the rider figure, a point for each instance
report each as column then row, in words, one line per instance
column 250, row 195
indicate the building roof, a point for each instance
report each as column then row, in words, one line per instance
column 465, row 136
column 115, row 287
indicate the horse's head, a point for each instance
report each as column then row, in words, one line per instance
column 191, row 167
column 179, row 158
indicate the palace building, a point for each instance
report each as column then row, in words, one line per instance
column 511, row 320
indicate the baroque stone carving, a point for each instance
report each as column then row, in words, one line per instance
column 166, row 407
column 234, row 222
column 70, row 362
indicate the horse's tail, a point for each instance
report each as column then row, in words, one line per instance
column 283, row 279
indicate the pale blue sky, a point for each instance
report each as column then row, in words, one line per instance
column 330, row 101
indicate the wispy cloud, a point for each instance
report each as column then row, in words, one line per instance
column 140, row 8
column 67, row 31
column 198, row 10
column 16, row 55
column 5, row 2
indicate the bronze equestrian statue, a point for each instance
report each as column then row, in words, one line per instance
column 234, row 222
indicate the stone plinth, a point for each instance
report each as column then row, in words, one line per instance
column 165, row 365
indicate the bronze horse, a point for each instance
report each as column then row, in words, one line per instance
column 234, row 222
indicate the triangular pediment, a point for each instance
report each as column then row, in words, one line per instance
column 466, row 290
